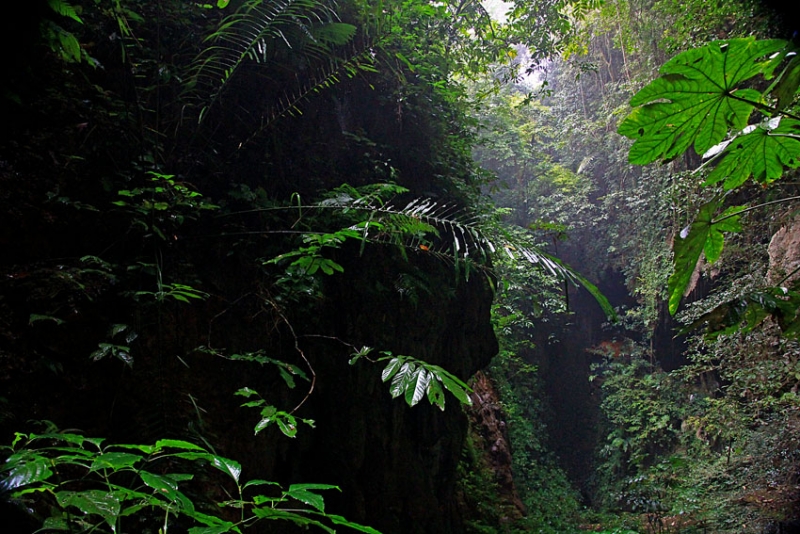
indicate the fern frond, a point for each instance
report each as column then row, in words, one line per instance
column 254, row 33
column 64, row 9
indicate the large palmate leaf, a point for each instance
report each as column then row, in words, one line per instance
column 761, row 151
column 698, row 99
column 705, row 234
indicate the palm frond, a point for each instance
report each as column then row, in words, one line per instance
column 454, row 235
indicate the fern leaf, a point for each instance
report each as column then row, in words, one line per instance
column 64, row 9
column 253, row 33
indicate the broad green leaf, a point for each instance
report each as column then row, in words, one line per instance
column 400, row 381
column 159, row 482
column 287, row 425
column 26, row 469
column 762, row 153
column 391, row 368
column 339, row 520
column 177, row 444
column 454, row 386
column 70, row 47
column 287, row 377
column 228, row 466
column 262, row 424
column 704, row 234
column 97, row 502
column 697, row 100
column 147, row 449
column 34, row 317
column 115, row 460
column 258, row 482
column 288, row 515
column 302, row 493
column 166, row 487
column 436, row 393
column 213, row 525
column 417, row 386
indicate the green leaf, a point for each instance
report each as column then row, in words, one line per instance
column 263, row 423
column 159, row 483
column 436, row 393
column 302, row 493
column 214, row 525
column 704, row 234
column 64, row 9
column 457, row 388
column 177, row 444
column 288, row 515
column 166, row 487
column 34, row 317
column 391, row 368
column 55, row 523
column 339, row 520
column 115, row 460
column 785, row 89
column 401, row 380
column 335, row 33
column 26, row 469
column 230, row 467
column 287, row 425
column 97, row 502
column 258, row 482
column 762, row 153
column 417, row 386
column 697, row 100
column 287, row 377
column 147, row 449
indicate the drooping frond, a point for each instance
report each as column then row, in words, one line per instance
column 450, row 233
column 255, row 33
column 326, row 76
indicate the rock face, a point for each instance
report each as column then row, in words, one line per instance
column 396, row 465
column 488, row 422
column 784, row 254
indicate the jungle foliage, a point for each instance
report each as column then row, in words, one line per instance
column 198, row 199
column 690, row 401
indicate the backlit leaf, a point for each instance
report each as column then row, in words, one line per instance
column 697, row 100
column 763, row 153
column 705, row 234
